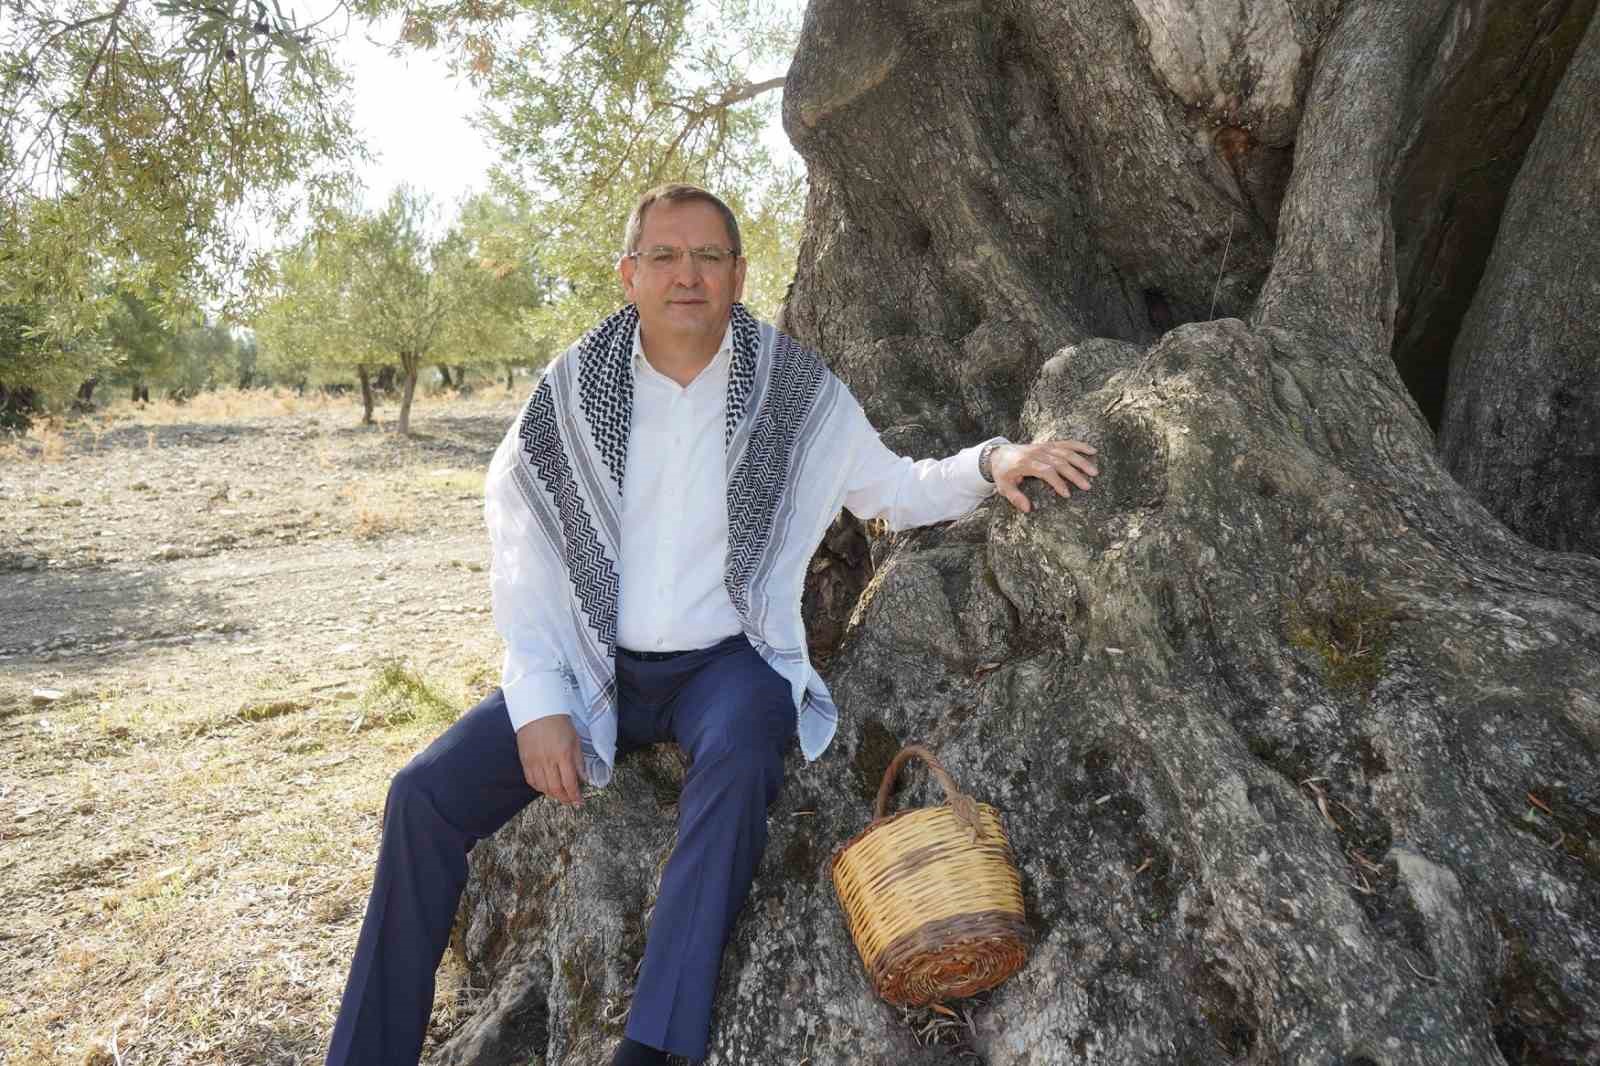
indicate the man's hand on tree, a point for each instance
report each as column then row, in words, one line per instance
column 551, row 758
column 1054, row 462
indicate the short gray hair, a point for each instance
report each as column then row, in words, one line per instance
column 678, row 193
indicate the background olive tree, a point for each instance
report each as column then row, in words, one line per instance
column 135, row 139
column 398, row 287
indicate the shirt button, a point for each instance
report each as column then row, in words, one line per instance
column 661, row 642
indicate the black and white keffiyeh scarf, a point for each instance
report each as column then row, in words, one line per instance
column 785, row 416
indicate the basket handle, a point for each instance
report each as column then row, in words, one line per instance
column 964, row 806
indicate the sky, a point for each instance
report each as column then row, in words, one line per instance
column 415, row 119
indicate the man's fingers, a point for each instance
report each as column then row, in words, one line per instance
column 1052, row 472
column 571, row 790
column 1049, row 476
column 552, row 776
column 1018, row 500
column 1076, row 459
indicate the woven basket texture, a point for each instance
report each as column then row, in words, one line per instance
column 935, row 908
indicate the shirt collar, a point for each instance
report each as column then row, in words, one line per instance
column 724, row 355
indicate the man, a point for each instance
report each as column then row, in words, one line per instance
column 652, row 512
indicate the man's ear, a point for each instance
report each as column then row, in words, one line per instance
column 738, row 278
column 625, row 268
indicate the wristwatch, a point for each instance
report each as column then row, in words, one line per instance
column 986, row 455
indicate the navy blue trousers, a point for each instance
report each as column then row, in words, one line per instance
column 733, row 715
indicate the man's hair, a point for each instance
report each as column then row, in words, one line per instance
column 678, row 194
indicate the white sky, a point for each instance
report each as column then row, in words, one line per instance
column 415, row 118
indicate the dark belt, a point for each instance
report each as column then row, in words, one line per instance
column 652, row 656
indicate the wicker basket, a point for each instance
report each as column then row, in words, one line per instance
column 932, row 897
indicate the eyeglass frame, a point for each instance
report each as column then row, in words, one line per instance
column 639, row 256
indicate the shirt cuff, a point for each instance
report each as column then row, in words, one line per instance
column 536, row 694
column 966, row 470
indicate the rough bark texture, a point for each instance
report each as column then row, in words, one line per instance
column 1452, row 187
column 1298, row 746
column 1522, row 421
column 366, row 394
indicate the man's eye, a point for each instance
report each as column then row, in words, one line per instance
column 664, row 256
column 709, row 256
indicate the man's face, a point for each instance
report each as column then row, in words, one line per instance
column 687, row 302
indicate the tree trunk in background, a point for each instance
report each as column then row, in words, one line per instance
column 1453, row 184
column 17, row 408
column 444, row 374
column 1298, row 746
column 461, row 379
column 366, row 394
column 410, row 367
column 1522, row 419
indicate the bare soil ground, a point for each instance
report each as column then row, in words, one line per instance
column 220, row 634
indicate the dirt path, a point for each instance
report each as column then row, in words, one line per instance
column 217, row 641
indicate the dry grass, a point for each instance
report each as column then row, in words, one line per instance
column 44, row 442
column 235, row 405
column 49, row 439
column 228, row 405
column 185, row 873
column 187, row 837
column 378, row 509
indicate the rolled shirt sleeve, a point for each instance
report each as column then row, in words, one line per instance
column 533, row 676
column 909, row 493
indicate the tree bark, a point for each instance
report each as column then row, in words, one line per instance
column 1522, row 418
column 1452, row 187
column 366, row 394
column 444, row 373
column 410, row 366
column 17, row 408
column 1297, row 745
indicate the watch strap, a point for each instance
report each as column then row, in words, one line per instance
column 986, row 458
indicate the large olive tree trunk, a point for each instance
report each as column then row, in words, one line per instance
column 1299, row 747
column 1522, row 420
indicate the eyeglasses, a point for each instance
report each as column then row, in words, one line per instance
column 665, row 256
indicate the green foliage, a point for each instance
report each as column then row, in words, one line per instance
column 135, row 138
column 382, row 288
column 498, row 287
column 147, row 347
column 594, row 101
column 30, row 360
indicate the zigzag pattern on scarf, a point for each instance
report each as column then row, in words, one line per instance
column 742, row 371
column 605, row 387
column 592, row 573
column 763, row 472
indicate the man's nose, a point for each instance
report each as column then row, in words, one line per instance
column 686, row 271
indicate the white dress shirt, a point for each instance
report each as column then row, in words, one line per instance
column 675, row 529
